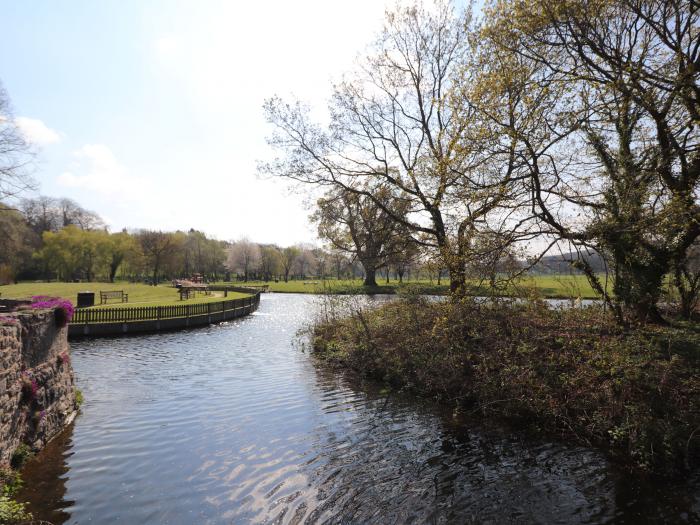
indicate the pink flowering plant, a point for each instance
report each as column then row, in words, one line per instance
column 63, row 308
column 11, row 321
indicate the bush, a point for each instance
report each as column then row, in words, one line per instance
column 574, row 372
column 12, row 511
column 79, row 398
column 10, row 481
column 20, row 456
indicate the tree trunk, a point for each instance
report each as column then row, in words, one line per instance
column 370, row 276
column 458, row 280
column 637, row 285
column 112, row 272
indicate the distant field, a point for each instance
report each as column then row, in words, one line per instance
column 139, row 294
column 563, row 286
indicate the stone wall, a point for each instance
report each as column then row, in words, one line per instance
column 37, row 394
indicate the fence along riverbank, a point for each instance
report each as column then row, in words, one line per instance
column 95, row 322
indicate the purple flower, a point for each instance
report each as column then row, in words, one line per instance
column 63, row 307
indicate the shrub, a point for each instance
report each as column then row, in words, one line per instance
column 10, row 481
column 12, row 511
column 79, row 399
column 573, row 372
column 20, row 456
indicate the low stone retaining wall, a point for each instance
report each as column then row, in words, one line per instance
column 37, row 394
column 214, row 313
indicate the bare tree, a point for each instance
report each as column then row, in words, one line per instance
column 51, row 214
column 243, row 257
column 340, row 262
column 15, row 153
column 304, row 260
column 393, row 123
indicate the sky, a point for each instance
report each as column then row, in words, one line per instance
column 149, row 112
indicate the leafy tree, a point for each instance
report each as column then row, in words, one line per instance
column 119, row 246
column 159, row 250
column 355, row 224
column 288, row 258
column 74, row 253
column 16, row 243
column 270, row 261
column 602, row 100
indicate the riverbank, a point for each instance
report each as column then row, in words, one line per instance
column 548, row 286
column 572, row 372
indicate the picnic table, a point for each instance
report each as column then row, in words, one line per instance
column 189, row 291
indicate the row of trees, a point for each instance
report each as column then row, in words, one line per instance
column 546, row 123
column 267, row 262
column 47, row 238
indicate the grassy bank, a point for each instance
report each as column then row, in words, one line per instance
column 571, row 372
column 553, row 286
column 139, row 294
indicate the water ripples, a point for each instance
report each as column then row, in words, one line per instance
column 235, row 424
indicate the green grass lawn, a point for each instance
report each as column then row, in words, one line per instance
column 139, row 294
column 563, row 286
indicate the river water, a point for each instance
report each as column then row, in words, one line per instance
column 234, row 423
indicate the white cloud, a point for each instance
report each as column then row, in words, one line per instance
column 36, row 132
column 97, row 169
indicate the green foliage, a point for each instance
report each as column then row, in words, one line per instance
column 573, row 372
column 15, row 243
column 20, row 456
column 12, row 512
column 79, row 399
column 10, row 481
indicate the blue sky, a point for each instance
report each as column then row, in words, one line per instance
column 149, row 112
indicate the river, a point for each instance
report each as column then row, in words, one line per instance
column 235, row 423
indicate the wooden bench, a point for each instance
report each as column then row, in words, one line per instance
column 114, row 294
